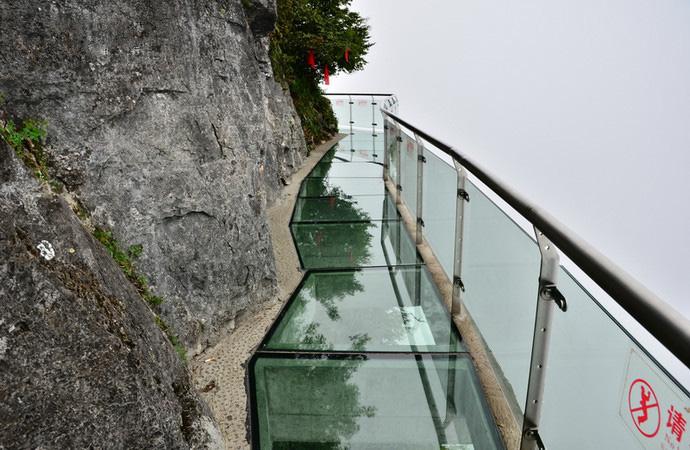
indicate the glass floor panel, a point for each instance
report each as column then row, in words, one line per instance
column 321, row 187
column 340, row 169
column 396, row 402
column 361, row 153
column 352, row 245
column 367, row 310
column 342, row 208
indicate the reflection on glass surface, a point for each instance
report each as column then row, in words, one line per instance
column 396, row 309
column 401, row 402
column 440, row 189
column 408, row 172
column 500, row 270
column 366, row 148
column 324, row 186
column 340, row 169
column 334, row 245
column 339, row 208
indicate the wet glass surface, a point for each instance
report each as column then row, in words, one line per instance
column 340, row 169
column 382, row 309
column 324, row 186
column 399, row 402
column 344, row 208
column 344, row 245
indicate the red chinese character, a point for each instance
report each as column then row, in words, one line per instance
column 676, row 422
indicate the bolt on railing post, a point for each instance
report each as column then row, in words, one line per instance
column 460, row 199
column 547, row 296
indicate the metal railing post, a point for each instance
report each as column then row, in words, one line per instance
column 373, row 128
column 398, row 165
column 547, row 296
column 420, row 188
column 461, row 197
column 386, row 144
column 352, row 144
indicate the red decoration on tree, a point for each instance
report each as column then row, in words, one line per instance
column 347, row 55
column 311, row 61
column 326, row 75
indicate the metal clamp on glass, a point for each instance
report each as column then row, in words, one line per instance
column 463, row 195
column 551, row 292
column 532, row 434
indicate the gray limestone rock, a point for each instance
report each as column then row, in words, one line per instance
column 82, row 362
column 166, row 124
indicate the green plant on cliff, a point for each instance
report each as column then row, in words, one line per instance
column 329, row 29
column 27, row 141
column 124, row 259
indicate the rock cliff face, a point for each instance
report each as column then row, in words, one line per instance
column 165, row 123
column 166, row 126
column 82, row 363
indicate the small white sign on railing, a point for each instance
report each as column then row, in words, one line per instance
column 653, row 409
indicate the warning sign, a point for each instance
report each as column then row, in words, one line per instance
column 644, row 408
column 652, row 407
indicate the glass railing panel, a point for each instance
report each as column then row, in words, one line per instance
column 362, row 113
column 398, row 402
column 341, row 109
column 342, row 169
column 326, row 186
column 408, row 172
column 345, row 245
column 368, row 310
column 596, row 378
column 344, row 208
column 393, row 154
column 500, row 272
column 439, row 194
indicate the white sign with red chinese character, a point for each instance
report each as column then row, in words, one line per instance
column 653, row 408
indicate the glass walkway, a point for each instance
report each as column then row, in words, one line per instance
column 367, row 352
column 364, row 355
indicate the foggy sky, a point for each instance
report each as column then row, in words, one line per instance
column 582, row 106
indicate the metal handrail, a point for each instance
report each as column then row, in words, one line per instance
column 661, row 320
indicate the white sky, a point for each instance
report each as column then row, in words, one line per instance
column 581, row 105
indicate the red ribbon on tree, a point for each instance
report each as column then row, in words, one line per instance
column 311, row 61
column 326, row 75
column 347, row 55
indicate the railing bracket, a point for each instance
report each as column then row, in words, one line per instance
column 420, row 221
column 464, row 195
column 551, row 292
column 398, row 187
column 399, row 138
column 457, row 281
column 421, row 158
column 532, row 434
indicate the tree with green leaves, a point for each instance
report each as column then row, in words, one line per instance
column 338, row 39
